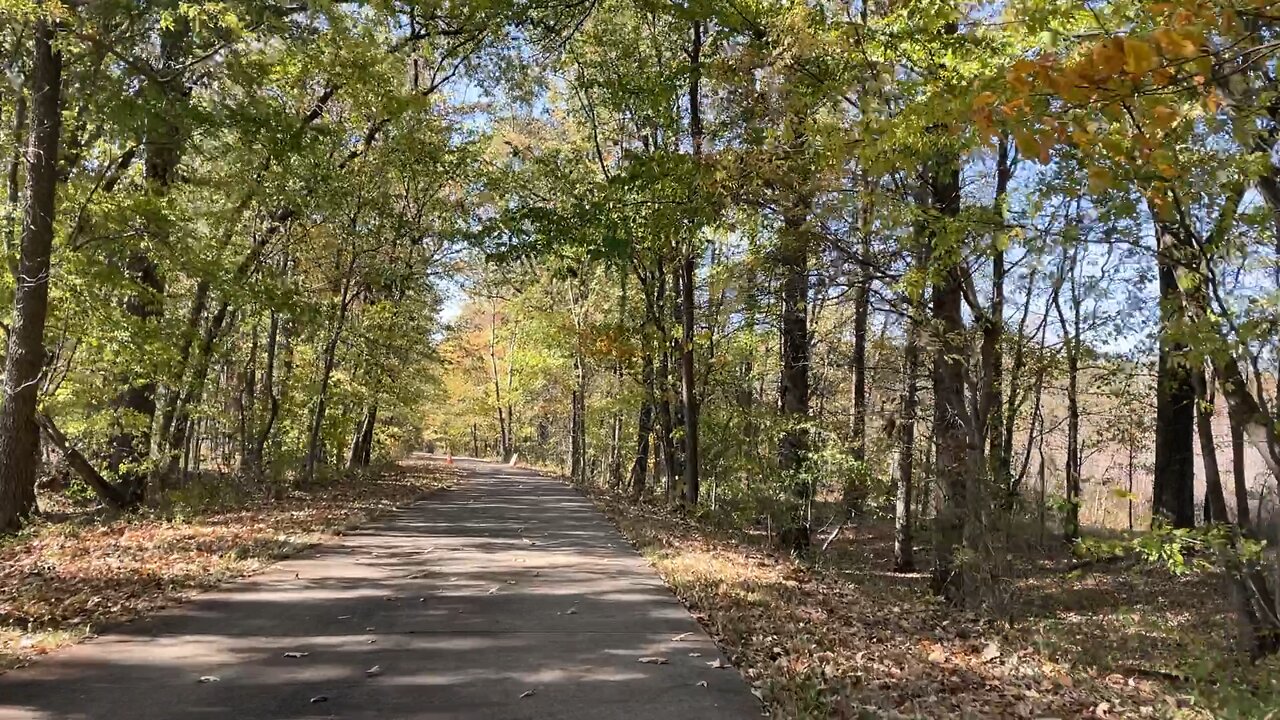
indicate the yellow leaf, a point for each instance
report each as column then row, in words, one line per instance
column 1174, row 44
column 1108, row 57
column 1099, row 179
column 1028, row 144
column 1164, row 117
column 1139, row 57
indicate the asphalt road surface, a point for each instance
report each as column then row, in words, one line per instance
column 509, row 597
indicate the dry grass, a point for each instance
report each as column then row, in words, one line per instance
column 60, row 581
column 845, row 639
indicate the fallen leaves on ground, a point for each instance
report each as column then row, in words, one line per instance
column 60, row 581
column 847, row 639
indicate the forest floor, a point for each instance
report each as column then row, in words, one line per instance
column 72, row 572
column 844, row 638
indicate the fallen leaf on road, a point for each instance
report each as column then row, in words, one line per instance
column 371, row 641
column 368, row 629
column 695, row 654
column 374, row 671
column 719, row 664
column 511, row 582
column 344, row 617
column 681, row 636
column 392, row 597
column 209, row 678
column 296, row 654
column 320, row 699
column 493, row 589
column 653, row 660
column 571, row 611
column 702, row 683
column 527, row 693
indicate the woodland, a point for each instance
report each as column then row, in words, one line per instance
column 928, row 349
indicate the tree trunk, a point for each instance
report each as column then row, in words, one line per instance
column 356, row 450
column 248, row 405
column 19, row 435
column 1071, row 347
column 1238, row 478
column 13, row 228
column 1173, row 493
column 952, row 425
column 993, row 330
column 688, row 388
column 578, row 423
column 644, row 429
column 366, row 440
column 314, row 446
column 666, row 420
column 853, row 493
column 675, row 353
column 793, row 266
column 144, row 304
column 80, row 465
column 257, row 447
column 1215, row 501
column 903, row 548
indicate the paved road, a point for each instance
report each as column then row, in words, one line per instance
column 509, row 585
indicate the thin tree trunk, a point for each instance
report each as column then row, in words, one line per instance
column 675, row 354
column 1071, row 347
column 13, row 228
column 853, row 492
column 903, row 548
column 577, row 423
column 355, row 451
column 247, row 404
column 366, row 440
column 257, row 448
column 666, row 421
column 689, row 394
column 504, row 435
column 314, row 446
column 19, row 435
column 1130, row 486
column 1215, row 501
column 644, row 429
column 993, row 335
column 80, row 465
column 1238, row 477
column 793, row 265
